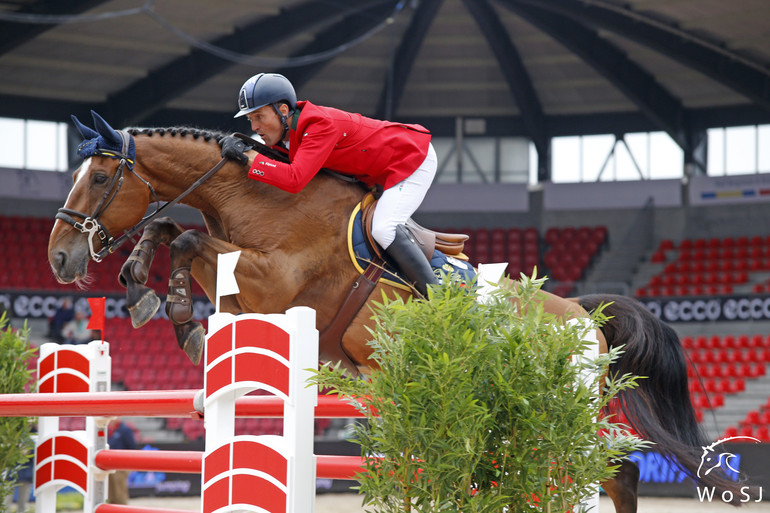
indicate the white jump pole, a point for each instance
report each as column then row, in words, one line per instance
column 67, row 458
column 247, row 352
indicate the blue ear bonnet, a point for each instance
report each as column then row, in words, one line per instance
column 105, row 141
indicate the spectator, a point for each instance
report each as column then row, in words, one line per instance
column 24, row 487
column 121, row 436
column 64, row 314
column 76, row 331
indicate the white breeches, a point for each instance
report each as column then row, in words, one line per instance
column 397, row 204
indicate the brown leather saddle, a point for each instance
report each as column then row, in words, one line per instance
column 330, row 339
column 451, row 244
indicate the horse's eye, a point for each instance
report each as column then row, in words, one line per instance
column 100, row 179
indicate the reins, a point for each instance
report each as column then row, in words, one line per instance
column 91, row 226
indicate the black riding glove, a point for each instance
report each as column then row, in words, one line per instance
column 234, row 149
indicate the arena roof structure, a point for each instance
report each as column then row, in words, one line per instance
column 534, row 68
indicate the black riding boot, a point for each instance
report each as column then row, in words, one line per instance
column 411, row 261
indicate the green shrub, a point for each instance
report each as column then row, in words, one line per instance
column 477, row 407
column 16, row 445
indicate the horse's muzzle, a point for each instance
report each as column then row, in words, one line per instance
column 66, row 268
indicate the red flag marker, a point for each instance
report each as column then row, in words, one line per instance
column 96, row 322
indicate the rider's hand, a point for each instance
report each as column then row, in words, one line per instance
column 234, row 148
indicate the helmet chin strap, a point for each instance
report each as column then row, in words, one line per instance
column 284, row 120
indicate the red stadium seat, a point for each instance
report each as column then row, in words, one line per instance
column 600, row 235
column 497, row 235
column 762, row 433
column 751, row 418
column 552, row 236
column 731, row 370
column 514, row 235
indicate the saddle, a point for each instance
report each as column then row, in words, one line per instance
column 330, row 338
column 451, row 244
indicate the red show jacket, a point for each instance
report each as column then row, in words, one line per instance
column 373, row 151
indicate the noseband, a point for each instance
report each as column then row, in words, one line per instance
column 91, row 225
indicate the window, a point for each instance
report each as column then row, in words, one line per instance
column 30, row 144
column 739, row 150
column 635, row 156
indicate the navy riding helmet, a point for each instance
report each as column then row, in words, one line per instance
column 265, row 89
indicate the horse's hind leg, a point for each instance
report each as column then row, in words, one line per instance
column 622, row 488
column 141, row 301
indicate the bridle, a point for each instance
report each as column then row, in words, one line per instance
column 91, row 225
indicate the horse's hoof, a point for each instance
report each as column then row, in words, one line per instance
column 191, row 338
column 144, row 309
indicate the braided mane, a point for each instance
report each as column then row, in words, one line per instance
column 206, row 135
column 180, row 131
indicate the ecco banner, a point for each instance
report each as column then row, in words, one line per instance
column 31, row 305
column 711, row 308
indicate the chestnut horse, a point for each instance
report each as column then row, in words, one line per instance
column 294, row 252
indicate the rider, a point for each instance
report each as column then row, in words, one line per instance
column 397, row 157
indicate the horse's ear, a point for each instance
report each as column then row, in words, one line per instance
column 85, row 132
column 105, row 130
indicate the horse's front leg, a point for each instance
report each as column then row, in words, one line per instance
column 264, row 286
column 141, row 301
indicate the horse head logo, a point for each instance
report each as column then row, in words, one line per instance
column 712, row 459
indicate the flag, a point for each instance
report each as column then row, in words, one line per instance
column 96, row 322
column 226, row 283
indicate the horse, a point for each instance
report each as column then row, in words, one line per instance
column 294, row 252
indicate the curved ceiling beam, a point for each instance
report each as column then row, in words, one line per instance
column 512, row 68
column 13, row 34
column 404, row 58
column 143, row 97
column 735, row 72
column 347, row 29
column 639, row 86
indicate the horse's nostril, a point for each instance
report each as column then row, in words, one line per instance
column 60, row 259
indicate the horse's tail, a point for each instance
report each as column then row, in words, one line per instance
column 659, row 409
